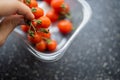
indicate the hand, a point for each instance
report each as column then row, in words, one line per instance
column 7, row 9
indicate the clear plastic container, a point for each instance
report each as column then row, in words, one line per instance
column 81, row 13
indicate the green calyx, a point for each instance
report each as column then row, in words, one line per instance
column 63, row 6
column 28, row 1
column 28, row 22
column 33, row 9
column 38, row 21
column 65, row 15
column 48, row 41
column 44, row 30
column 31, row 33
column 68, row 16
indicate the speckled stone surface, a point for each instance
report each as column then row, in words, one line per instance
column 94, row 54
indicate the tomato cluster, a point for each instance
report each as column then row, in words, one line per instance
column 59, row 11
column 37, row 30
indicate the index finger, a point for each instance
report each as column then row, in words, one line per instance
column 24, row 10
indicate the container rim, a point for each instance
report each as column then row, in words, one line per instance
column 87, row 12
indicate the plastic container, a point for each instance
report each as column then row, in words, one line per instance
column 81, row 13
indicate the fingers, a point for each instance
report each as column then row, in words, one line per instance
column 7, row 26
column 15, row 6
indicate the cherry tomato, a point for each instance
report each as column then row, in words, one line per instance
column 52, row 15
column 38, row 12
column 45, row 35
column 57, row 4
column 34, row 37
column 41, row 46
column 65, row 9
column 48, row 1
column 51, row 45
column 65, row 26
column 43, row 22
column 34, row 23
column 44, row 32
column 24, row 28
column 31, row 3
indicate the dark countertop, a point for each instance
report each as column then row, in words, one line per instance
column 94, row 54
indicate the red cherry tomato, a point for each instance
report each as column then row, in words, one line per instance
column 57, row 4
column 52, row 15
column 34, row 23
column 65, row 26
column 34, row 38
column 65, row 9
column 24, row 28
column 51, row 45
column 41, row 46
column 45, row 35
column 31, row 3
column 43, row 22
column 38, row 12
